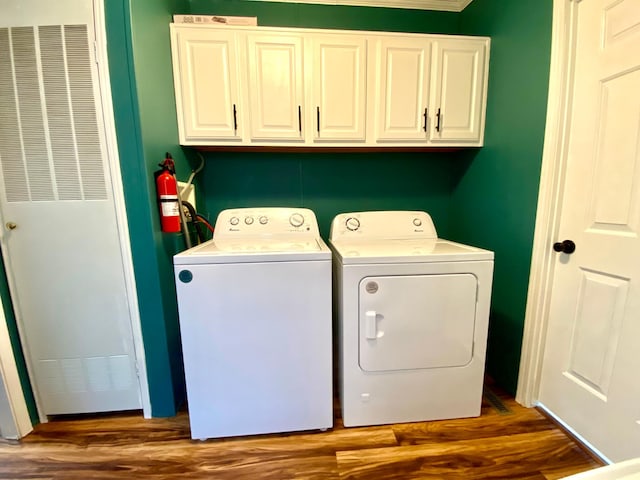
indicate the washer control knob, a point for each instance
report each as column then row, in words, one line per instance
column 263, row 220
column 417, row 222
column 234, row 220
column 352, row 224
column 296, row 220
column 248, row 220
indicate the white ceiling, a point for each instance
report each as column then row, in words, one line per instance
column 442, row 5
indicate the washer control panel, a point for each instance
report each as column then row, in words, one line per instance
column 385, row 224
column 266, row 221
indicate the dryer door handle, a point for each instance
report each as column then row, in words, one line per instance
column 371, row 325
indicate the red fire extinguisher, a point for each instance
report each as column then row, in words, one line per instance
column 168, row 196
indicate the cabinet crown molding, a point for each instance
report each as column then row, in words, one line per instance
column 440, row 5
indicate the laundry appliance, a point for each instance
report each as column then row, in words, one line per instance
column 412, row 314
column 255, row 319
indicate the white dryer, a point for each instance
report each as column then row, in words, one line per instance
column 255, row 319
column 412, row 314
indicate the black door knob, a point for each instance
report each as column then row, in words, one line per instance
column 567, row 247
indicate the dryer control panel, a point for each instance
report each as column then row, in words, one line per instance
column 385, row 224
column 266, row 221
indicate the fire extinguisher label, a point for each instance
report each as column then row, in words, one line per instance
column 169, row 205
column 170, row 209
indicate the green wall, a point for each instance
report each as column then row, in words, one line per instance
column 140, row 69
column 301, row 15
column 485, row 197
column 330, row 184
column 499, row 181
column 493, row 203
column 142, row 87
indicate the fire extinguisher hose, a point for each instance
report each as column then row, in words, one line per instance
column 205, row 221
column 197, row 223
column 183, row 219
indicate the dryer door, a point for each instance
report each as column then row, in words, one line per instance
column 416, row 321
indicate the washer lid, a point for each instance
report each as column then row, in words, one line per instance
column 406, row 251
column 254, row 249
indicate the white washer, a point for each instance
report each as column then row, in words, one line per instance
column 255, row 319
column 412, row 315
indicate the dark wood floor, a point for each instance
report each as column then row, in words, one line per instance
column 507, row 441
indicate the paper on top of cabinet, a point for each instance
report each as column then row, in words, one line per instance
column 215, row 19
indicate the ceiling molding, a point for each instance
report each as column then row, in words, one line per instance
column 441, row 5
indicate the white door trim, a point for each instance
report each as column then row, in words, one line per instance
column 19, row 423
column 554, row 161
column 118, row 198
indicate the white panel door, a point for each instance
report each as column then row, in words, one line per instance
column 60, row 237
column 276, row 89
column 459, row 66
column 339, row 87
column 409, row 322
column 206, row 81
column 402, row 89
column 590, row 376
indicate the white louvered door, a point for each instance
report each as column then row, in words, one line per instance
column 60, row 238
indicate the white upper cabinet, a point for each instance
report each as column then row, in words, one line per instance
column 459, row 95
column 276, row 86
column 339, row 78
column 267, row 86
column 206, row 85
column 402, row 89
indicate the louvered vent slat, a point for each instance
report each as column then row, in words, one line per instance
column 13, row 168
column 84, row 112
column 58, row 113
column 49, row 147
column 30, row 111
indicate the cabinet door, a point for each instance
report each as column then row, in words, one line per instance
column 402, row 89
column 275, row 86
column 339, row 87
column 206, row 82
column 459, row 91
